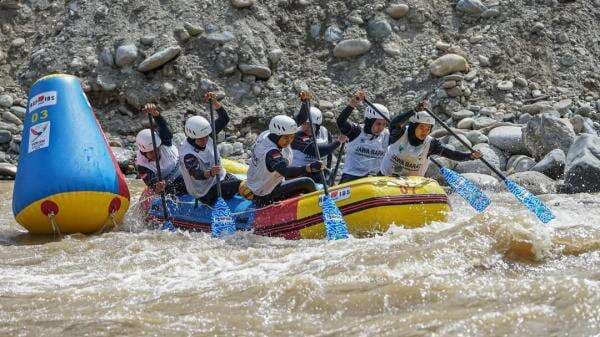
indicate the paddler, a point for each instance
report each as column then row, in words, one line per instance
column 271, row 177
column 167, row 155
column 410, row 145
column 367, row 141
column 302, row 146
column 197, row 157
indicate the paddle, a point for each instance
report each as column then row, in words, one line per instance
column 335, row 226
column 222, row 221
column 533, row 203
column 464, row 187
column 337, row 165
column 167, row 225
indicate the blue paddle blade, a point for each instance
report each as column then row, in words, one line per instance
column 222, row 221
column 335, row 226
column 531, row 201
column 467, row 189
column 168, row 226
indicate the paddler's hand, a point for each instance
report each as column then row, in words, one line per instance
column 215, row 170
column 315, row 167
column 211, row 96
column 476, row 154
column 160, row 186
column 304, row 96
column 342, row 139
column 151, row 109
column 357, row 99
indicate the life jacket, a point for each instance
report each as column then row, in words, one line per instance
column 260, row 181
column 303, row 159
column 364, row 153
column 404, row 159
column 199, row 187
column 169, row 162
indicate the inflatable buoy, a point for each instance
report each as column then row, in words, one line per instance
column 68, row 180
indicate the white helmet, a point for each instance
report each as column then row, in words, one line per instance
column 370, row 113
column 144, row 140
column 197, row 127
column 422, row 117
column 316, row 115
column 283, row 125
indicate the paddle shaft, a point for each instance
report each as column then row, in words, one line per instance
column 314, row 140
column 214, row 138
column 337, row 164
column 158, row 172
column 445, row 126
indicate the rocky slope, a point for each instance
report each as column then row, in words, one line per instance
column 520, row 78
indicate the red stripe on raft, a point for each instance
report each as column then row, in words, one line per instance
column 281, row 229
column 282, row 212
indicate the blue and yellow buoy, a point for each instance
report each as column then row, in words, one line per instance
column 68, row 180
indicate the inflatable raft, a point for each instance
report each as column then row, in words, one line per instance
column 369, row 205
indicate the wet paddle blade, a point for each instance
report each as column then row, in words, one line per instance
column 335, row 226
column 467, row 189
column 222, row 221
column 532, row 202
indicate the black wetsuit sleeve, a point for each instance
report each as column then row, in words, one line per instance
column 330, row 155
column 149, row 177
column 349, row 129
column 222, row 120
column 306, row 145
column 164, row 132
column 193, row 166
column 437, row 148
column 301, row 116
column 276, row 162
column 397, row 126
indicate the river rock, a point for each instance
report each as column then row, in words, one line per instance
column 476, row 137
column 563, row 106
column 524, row 118
column 6, row 101
column 123, row 156
column 519, row 163
column 471, row 6
column 333, row 34
column 18, row 111
column 379, row 30
column 220, row 38
column 8, row 169
column 5, row 136
column 258, row 70
column 158, row 59
column 351, row 48
column 242, row 3
column 461, row 114
column 397, row 11
column 454, row 142
column 225, row 149
column 10, row 118
column 545, row 133
column 493, row 156
column 505, row 85
column 447, row 64
column 483, row 181
column 482, row 122
column 508, row 138
column 582, row 173
column 582, row 125
column 126, row 55
column 536, row 108
column 466, row 123
column 193, row 30
column 534, row 182
column 552, row 165
column 12, row 128
column 488, row 111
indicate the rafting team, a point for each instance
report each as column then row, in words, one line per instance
column 283, row 162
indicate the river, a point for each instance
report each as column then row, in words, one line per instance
column 500, row 273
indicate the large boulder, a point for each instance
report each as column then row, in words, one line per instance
column 483, row 181
column 534, row 182
column 582, row 172
column 552, row 165
column 519, row 163
column 583, row 125
column 544, row 133
column 508, row 138
column 494, row 157
column 124, row 157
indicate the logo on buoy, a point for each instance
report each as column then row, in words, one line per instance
column 39, row 136
column 47, row 98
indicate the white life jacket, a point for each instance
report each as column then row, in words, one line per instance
column 199, row 187
column 169, row 160
column 303, row 159
column 364, row 153
column 260, row 181
column 404, row 159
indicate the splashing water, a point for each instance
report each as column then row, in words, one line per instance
column 467, row 189
column 335, row 226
